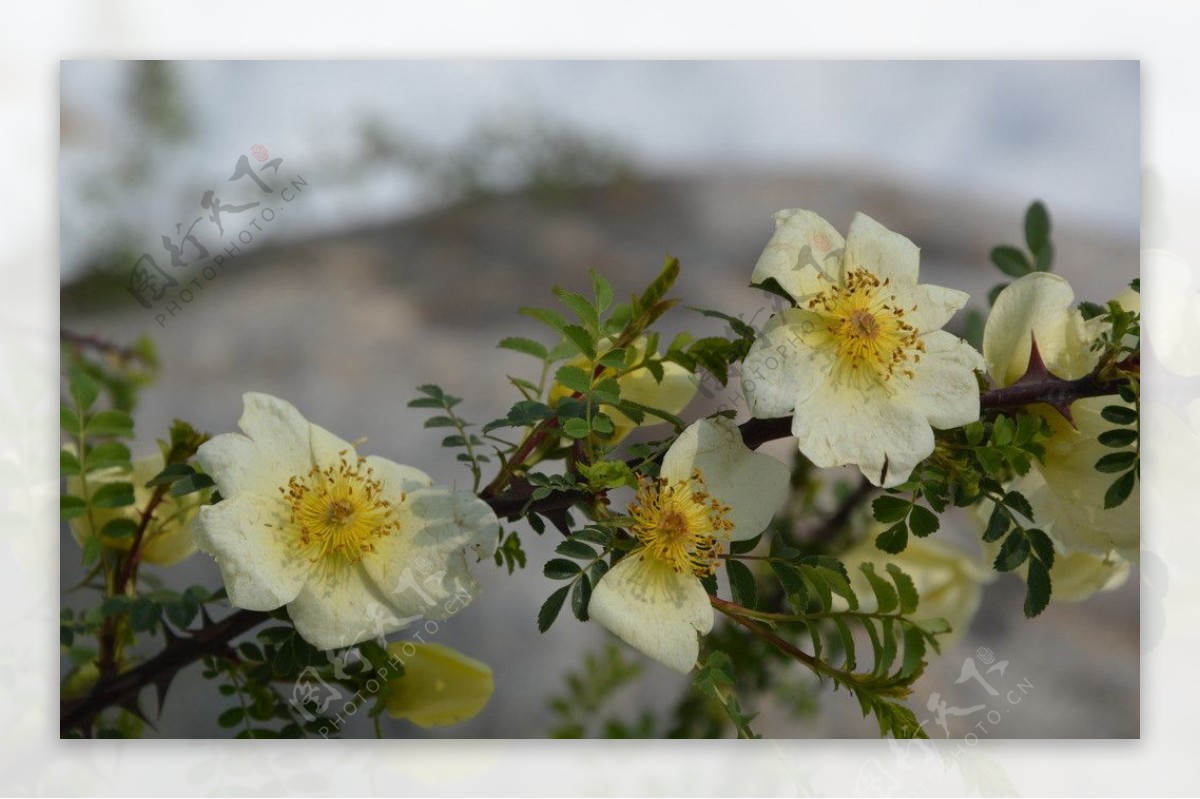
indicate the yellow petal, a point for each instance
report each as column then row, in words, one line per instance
column 440, row 686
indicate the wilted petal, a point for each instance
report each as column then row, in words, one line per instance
column 803, row 247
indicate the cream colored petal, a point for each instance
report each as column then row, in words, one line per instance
column 803, row 247
column 440, row 686
column 261, row 567
column 786, row 363
column 943, row 387
column 653, row 609
column 753, row 485
column 396, row 477
column 928, row 307
column 839, row 426
column 1076, row 576
column 1041, row 303
column 672, row 395
column 276, row 448
column 340, row 605
column 421, row 567
column 325, row 448
column 888, row 255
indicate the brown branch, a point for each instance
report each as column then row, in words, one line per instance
column 82, row 342
column 123, row 689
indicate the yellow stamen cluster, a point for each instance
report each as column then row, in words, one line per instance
column 862, row 317
column 339, row 510
column 680, row 524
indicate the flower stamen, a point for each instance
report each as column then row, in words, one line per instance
column 680, row 524
column 339, row 511
column 873, row 340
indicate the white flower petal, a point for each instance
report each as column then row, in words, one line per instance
column 421, row 567
column 786, row 364
column 753, row 485
column 849, row 425
column 881, row 252
column 340, row 606
column 1039, row 302
column 1075, row 576
column 261, row 566
column 928, row 307
column 326, row 448
column 396, row 477
column 654, row 609
column 943, row 387
column 803, row 247
column 276, row 448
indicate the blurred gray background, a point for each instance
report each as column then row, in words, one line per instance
column 430, row 200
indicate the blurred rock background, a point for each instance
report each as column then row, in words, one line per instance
column 434, row 200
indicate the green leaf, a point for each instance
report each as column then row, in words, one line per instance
column 1090, row 310
column 231, row 717
column 1118, row 438
column 614, row 359
column 626, row 406
column 1120, row 490
column 144, row 615
column 119, row 528
column 68, row 464
column 1037, row 594
column 191, row 483
column 110, row 423
column 923, row 521
column 905, row 589
column 576, row 549
column 607, row 391
column 1017, row 501
column 581, row 595
column 172, row 472
column 1013, row 552
column 1011, row 261
column 1003, row 431
column 68, row 420
column 602, row 424
column 1119, row 414
column 890, row 508
column 998, row 524
column 893, row 540
column 113, row 495
column 914, row 651
column 439, row 421
column 1116, row 461
column 84, row 389
column 1037, row 227
column 886, row 597
column 1044, row 260
column 574, row 379
column 1043, row 547
column 107, row 454
column 581, row 307
column 551, row 607
column 560, row 569
column 602, row 290
column 576, row 428
column 526, row 346
column 71, row 507
column 551, row 319
column 741, row 584
column 581, row 339
column 745, row 545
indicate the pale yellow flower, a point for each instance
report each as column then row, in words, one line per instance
column 1093, row 546
column 711, row 490
column 861, row 362
column 439, row 687
column 168, row 536
column 354, row 547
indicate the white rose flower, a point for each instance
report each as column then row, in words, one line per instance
column 354, row 547
column 861, row 362
column 711, row 490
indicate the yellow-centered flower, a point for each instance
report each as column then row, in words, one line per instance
column 861, row 362
column 710, row 491
column 355, row 547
